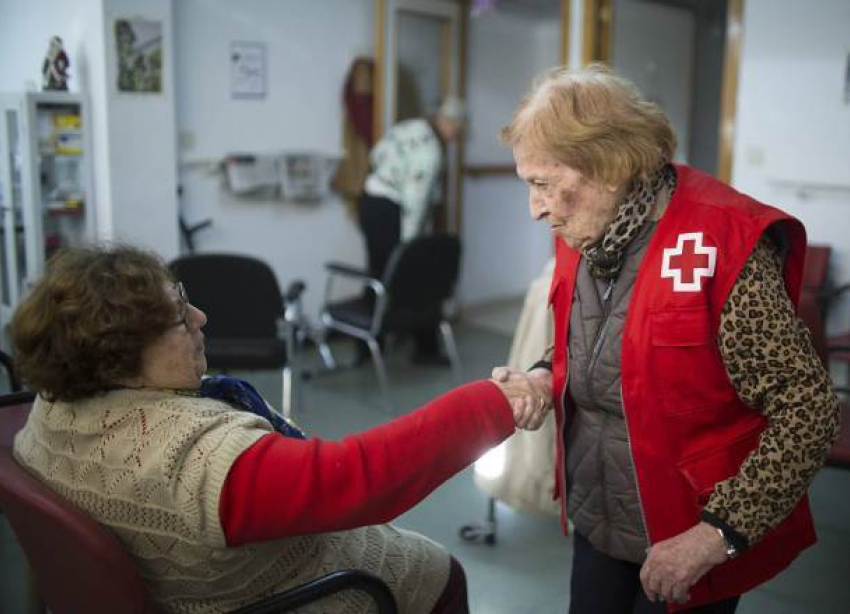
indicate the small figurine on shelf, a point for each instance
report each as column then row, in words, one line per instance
column 55, row 66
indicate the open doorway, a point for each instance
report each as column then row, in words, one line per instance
column 419, row 63
column 421, row 82
column 683, row 54
column 508, row 44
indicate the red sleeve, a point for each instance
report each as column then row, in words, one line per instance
column 281, row 486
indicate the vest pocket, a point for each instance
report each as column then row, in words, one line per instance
column 686, row 363
column 704, row 471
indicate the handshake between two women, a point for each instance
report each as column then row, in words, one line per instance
column 529, row 393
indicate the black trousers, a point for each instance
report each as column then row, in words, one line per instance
column 380, row 222
column 453, row 600
column 604, row 585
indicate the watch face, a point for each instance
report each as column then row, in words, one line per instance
column 731, row 551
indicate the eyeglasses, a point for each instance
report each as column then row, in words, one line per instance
column 182, row 305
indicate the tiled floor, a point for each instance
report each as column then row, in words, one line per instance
column 499, row 316
column 527, row 571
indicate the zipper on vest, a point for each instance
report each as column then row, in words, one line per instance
column 603, row 328
column 634, row 469
column 563, row 459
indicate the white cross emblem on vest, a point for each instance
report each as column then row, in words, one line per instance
column 689, row 262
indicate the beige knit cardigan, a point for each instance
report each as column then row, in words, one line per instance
column 150, row 465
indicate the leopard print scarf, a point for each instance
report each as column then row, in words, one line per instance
column 605, row 257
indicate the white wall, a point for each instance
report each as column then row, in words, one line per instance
column 793, row 124
column 503, row 248
column 310, row 46
column 142, row 146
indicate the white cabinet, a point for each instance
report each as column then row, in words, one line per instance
column 45, row 187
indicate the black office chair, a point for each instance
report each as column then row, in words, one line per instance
column 251, row 325
column 419, row 279
column 93, row 572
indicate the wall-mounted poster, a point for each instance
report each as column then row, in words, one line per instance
column 247, row 69
column 138, row 46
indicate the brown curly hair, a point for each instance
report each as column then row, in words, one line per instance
column 83, row 327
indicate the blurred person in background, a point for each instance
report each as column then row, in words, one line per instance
column 407, row 166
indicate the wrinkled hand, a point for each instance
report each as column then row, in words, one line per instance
column 529, row 393
column 674, row 565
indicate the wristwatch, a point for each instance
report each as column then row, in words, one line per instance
column 731, row 550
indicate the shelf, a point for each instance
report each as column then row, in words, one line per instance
column 61, row 209
column 55, row 154
column 65, row 212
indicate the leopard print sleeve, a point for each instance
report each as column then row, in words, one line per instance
column 774, row 369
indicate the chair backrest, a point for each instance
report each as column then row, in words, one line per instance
column 816, row 266
column 8, row 365
column 422, row 273
column 811, row 308
column 240, row 294
column 79, row 566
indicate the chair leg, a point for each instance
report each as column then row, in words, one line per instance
column 319, row 336
column 375, row 350
column 327, row 355
column 451, row 350
column 286, row 393
column 35, row 604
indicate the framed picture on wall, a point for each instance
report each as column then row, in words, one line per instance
column 247, row 69
column 138, row 49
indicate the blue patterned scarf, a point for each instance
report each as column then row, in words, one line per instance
column 242, row 395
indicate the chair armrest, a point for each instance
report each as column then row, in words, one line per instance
column 294, row 291
column 827, row 295
column 837, row 346
column 17, row 398
column 325, row 586
column 349, row 271
column 377, row 286
column 7, row 363
column 336, row 268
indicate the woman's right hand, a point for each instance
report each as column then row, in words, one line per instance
column 529, row 393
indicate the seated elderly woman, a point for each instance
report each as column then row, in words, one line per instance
column 219, row 505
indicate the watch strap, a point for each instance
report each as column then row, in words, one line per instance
column 735, row 541
column 541, row 364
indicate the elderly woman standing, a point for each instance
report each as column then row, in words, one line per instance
column 692, row 411
column 218, row 508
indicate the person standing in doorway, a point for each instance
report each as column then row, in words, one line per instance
column 405, row 180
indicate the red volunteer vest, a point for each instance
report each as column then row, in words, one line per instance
column 687, row 428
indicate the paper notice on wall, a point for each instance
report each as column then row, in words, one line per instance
column 247, row 70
